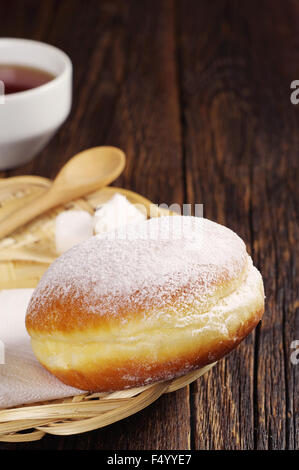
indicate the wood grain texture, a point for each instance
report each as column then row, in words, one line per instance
column 237, row 62
column 217, row 137
column 198, row 96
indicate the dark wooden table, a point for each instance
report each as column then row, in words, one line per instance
column 197, row 93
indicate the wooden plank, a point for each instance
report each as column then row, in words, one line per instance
column 240, row 140
column 275, row 215
column 146, row 124
column 125, row 94
column 216, row 147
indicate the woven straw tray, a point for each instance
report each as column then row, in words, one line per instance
column 24, row 257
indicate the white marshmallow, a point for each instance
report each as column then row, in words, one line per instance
column 71, row 228
column 116, row 212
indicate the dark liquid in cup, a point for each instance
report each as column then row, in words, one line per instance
column 18, row 78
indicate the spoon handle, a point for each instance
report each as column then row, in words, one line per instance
column 20, row 217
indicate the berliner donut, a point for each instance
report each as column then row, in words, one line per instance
column 145, row 303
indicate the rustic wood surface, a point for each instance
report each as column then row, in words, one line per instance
column 197, row 93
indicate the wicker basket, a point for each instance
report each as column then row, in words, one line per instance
column 24, row 257
column 83, row 412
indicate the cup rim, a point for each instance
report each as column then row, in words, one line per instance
column 67, row 68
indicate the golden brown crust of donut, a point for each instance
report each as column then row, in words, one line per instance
column 100, row 361
column 150, row 331
column 112, row 378
column 72, row 316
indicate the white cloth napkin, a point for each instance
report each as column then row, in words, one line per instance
column 22, row 378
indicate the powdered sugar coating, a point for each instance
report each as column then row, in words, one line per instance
column 147, row 264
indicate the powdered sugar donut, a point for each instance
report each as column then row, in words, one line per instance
column 144, row 303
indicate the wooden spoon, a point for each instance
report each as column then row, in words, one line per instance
column 86, row 172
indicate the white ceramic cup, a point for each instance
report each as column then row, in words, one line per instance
column 29, row 119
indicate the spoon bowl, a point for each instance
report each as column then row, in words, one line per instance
column 89, row 170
